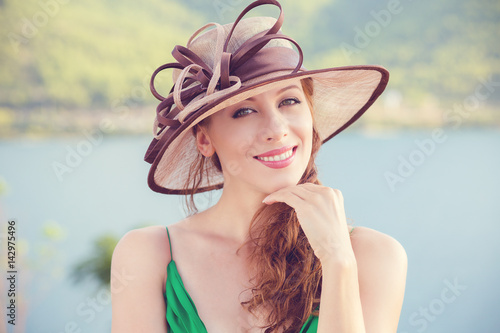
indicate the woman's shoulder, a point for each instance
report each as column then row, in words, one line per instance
column 148, row 246
column 138, row 275
column 373, row 245
column 382, row 266
column 151, row 236
column 382, row 263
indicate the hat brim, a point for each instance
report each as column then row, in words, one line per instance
column 341, row 96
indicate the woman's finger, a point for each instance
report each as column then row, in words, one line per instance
column 288, row 196
column 298, row 190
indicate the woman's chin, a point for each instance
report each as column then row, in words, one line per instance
column 276, row 186
column 261, row 185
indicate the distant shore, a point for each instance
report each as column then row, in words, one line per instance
column 51, row 122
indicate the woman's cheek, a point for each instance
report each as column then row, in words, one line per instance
column 235, row 150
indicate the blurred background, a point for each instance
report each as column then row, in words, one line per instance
column 76, row 118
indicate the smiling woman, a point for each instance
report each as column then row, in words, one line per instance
column 275, row 253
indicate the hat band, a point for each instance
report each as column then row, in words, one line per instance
column 267, row 61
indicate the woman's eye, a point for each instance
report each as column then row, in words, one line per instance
column 242, row 112
column 289, row 101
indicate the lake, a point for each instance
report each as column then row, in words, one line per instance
column 435, row 192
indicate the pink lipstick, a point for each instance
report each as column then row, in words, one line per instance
column 277, row 158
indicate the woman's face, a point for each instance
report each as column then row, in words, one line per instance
column 263, row 143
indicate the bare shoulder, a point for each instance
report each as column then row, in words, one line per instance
column 142, row 254
column 140, row 246
column 382, row 266
column 138, row 274
column 146, row 237
column 372, row 244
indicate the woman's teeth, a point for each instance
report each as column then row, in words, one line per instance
column 274, row 158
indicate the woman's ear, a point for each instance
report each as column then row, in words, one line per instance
column 203, row 142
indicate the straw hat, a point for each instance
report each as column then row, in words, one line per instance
column 230, row 63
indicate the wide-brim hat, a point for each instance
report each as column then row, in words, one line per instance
column 231, row 63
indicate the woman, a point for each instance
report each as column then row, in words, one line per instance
column 275, row 253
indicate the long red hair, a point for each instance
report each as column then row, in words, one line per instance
column 288, row 279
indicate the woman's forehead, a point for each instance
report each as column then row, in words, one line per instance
column 276, row 90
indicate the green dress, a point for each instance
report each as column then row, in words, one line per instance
column 182, row 316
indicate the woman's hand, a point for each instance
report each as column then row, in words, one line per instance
column 320, row 211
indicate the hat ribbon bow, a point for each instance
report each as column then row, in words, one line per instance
column 198, row 85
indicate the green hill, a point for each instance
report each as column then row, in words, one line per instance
column 85, row 54
column 95, row 54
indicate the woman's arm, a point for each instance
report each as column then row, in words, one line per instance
column 138, row 273
column 369, row 286
column 340, row 304
column 363, row 279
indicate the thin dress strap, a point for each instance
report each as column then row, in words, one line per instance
column 169, row 244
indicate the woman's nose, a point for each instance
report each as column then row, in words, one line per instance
column 275, row 126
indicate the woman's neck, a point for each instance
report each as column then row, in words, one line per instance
column 232, row 214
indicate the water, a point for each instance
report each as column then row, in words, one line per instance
column 444, row 210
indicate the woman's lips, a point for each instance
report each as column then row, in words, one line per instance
column 277, row 158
